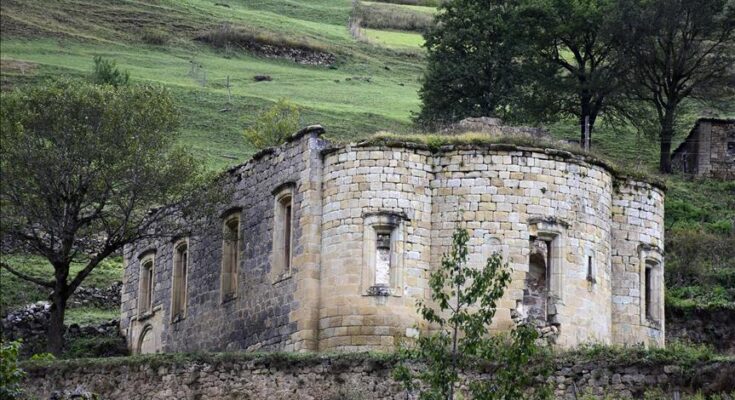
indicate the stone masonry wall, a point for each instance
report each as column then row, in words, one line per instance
column 264, row 314
column 358, row 182
column 598, row 226
column 499, row 195
column 637, row 237
column 353, row 377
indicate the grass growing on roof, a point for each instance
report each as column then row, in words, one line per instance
column 435, row 141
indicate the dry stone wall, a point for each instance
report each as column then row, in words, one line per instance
column 355, row 377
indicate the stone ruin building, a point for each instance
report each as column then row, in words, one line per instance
column 328, row 248
column 709, row 150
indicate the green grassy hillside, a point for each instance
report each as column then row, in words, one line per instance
column 369, row 88
column 372, row 85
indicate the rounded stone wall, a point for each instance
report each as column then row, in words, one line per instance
column 506, row 196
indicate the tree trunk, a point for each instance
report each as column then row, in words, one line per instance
column 667, row 134
column 586, row 111
column 55, row 333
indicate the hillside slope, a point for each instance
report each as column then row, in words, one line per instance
column 366, row 88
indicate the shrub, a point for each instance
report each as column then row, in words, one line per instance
column 154, row 36
column 107, row 73
column 226, row 36
column 96, row 346
column 43, row 357
column 10, row 374
column 462, row 307
column 700, row 269
column 273, row 126
column 391, row 17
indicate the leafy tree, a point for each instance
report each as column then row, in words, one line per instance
column 107, row 73
column 273, row 126
column 573, row 67
column 87, row 169
column 678, row 49
column 10, row 374
column 463, row 304
column 471, row 61
column 538, row 60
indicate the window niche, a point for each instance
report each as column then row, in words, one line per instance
column 591, row 270
column 652, row 292
column 230, row 256
column 145, row 290
column 282, row 257
column 383, row 249
column 546, row 262
column 651, row 288
column 180, row 274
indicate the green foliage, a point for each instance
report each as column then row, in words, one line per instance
column 113, row 149
column 154, row 37
column 700, row 269
column 462, row 306
column 96, row 347
column 43, row 357
column 273, row 126
column 675, row 353
column 471, row 61
column 10, row 374
column 107, row 73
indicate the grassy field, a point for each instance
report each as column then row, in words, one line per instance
column 368, row 89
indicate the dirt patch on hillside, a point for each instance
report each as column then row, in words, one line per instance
column 264, row 44
column 13, row 71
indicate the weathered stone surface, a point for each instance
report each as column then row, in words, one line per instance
column 709, row 150
column 338, row 377
column 603, row 230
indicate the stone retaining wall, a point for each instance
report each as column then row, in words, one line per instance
column 350, row 377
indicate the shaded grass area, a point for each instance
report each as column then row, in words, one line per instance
column 15, row 292
column 84, row 316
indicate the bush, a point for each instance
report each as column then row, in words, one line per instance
column 10, row 374
column 107, row 73
column 391, row 17
column 273, row 126
column 154, row 36
column 700, row 269
column 96, row 346
column 227, row 36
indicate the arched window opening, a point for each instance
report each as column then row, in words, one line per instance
column 282, row 235
column 178, row 286
column 145, row 304
column 230, row 257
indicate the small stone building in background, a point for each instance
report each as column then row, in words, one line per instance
column 709, row 150
column 326, row 247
